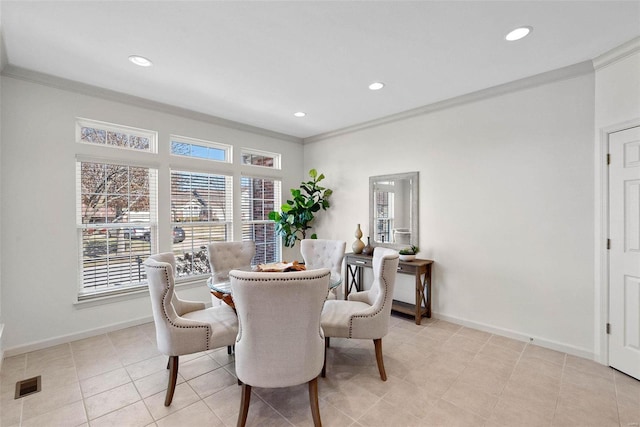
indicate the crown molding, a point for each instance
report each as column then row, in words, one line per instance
column 564, row 73
column 111, row 95
column 617, row 53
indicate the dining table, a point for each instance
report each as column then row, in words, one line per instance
column 222, row 290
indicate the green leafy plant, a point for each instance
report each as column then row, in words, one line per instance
column 410, row 251
column 296, row 216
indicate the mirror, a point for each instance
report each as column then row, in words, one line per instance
column 393, row 210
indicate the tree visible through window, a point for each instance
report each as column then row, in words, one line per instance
column 115, row 221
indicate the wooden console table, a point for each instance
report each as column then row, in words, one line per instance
column 420, row 268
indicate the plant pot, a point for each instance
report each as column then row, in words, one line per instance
column 407, row 257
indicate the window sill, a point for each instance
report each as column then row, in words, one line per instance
column 108, row 297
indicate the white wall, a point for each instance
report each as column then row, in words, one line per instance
column 2, row 64
column 38, row 206
column 617, row 105
column 506, row 206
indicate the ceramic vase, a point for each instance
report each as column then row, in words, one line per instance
column 358, row 245
column 368, row 250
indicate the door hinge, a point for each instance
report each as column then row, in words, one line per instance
column 608, row 243
column 608, row 328
column 608, row 159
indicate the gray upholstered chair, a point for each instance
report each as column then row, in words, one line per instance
column 366, row 314
column 184, row 327
column 280, row 342
column 321, row 253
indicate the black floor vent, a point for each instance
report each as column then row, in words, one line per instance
column 27, row 387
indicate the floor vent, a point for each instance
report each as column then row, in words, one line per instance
column 27, row 387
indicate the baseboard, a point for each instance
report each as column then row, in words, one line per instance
column 62, row 339
column 1, row 345
column 519, row 336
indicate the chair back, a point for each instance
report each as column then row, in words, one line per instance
column 280, row 342
column 380, row 297
column 161, row 289
column 226, row 256
column 321, row 253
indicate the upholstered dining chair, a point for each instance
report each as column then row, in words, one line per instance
column 280, row 342
column 226, row 256
column 365, row 315
column 184, row 327
column 321, row 253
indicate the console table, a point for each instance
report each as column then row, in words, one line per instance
column 419, row 268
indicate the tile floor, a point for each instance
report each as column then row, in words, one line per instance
column 440, row 374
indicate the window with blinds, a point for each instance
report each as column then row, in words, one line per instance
column 201, row 212
column 259, row 197
column 116, row 221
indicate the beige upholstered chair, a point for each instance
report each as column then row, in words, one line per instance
column 226, row 256
column 321, row 253
column 184, row 327
column 366, row 314
column 280, row 342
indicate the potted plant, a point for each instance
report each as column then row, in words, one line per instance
column 409, row 254
column 296, row 216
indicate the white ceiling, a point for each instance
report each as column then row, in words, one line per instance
column 259, row 62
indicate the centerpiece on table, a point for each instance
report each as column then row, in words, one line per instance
column 409, row 254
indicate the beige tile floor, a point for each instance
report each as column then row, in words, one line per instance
column 440, row 374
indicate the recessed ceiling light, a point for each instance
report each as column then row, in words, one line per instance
column 300, row 114
column 140, row 60
column 376, row 86
column 518, row 33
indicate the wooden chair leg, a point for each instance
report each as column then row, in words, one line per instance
column 173, row 377
column 244, row 405
column 324, row 365
column 378, row 345
column 313, row 401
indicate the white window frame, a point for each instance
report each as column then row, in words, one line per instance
column 228, row 149
column 277, row 158
column 83, row 293
column 277, row 202
column 111, row 127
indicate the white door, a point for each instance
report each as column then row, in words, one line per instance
column 624, row 255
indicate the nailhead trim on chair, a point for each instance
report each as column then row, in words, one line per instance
column 386, row 295
column 278, row 279
column 164, row 295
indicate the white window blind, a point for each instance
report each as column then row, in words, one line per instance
column 202, row 209
column 259, row 197
column 116, row 221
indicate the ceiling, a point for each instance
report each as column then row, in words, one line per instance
column 259, row 62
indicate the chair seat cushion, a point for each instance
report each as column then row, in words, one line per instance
column 223, row 321
column 336, row 316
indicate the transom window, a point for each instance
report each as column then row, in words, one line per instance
column 259, row 158
column 190, row 147
column 102, row 133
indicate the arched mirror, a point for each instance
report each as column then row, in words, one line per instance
column 393, row 210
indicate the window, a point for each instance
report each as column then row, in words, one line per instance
column 259, row 197
column 201, row 212
column 260, row 158
column 116, row 217
column 189, row 147
column 94, row 132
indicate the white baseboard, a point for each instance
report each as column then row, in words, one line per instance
column 519, row 336
column 62, row 339
column 1, row 345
